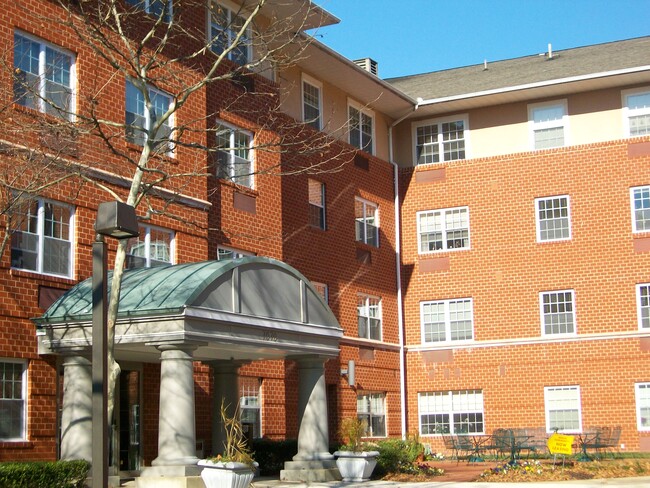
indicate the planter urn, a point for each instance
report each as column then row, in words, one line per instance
column 356, row 466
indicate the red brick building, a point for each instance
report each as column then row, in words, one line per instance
column 480, row 235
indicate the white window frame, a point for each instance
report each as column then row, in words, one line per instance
column 229, row 171
column 363, row 112
column 41, row 103
column 317, row 204
column 322, row 290
column 448, row 313
column 449, row 404
column 543, row 314
column 555, row 220
column 370, row 302
column 361, row 223
column 250, row 399
column 368, row 414
column 139, row 137
column 444, row 230
column 40, row 236
column 568, row 399
column 24, row 379
column 635, row 112
column 643, row 305
column 236, row 253
column 316, row 123
column 146, row 7
column 144, row 239
column 440, row 144
column 642, row 400
column 644, row 197
column 562, row 122
column 233, row 11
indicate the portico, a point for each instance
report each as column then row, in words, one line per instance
column 224, row 313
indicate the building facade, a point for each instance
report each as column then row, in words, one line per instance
column 481, row 235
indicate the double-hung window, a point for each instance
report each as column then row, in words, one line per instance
column 441, row 140
column 451, row 412
column 250, row 407
column 228, row 34
column 640, row 204
column 155, row 8
column 548, row 122
column 316, row 203
column 144, row 119
column 558, row 312
column 369, row 317
column 153, row 247
column 41, row 240
column 366, row 216
column 361, row 124
column 312, row 102
column 643, row 305
column 636, row 112
column 642, row 391
column 43, row 76
column 447, row 320
column 371, row 409
column 234, row 155
column 443, row 230
column 562, row 405
column 13, row 394
column 553, row 218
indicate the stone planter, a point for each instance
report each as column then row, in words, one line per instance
column 225, row 475
column 356, row 466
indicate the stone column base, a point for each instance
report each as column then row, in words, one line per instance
column 170, row 477
column 307, row 471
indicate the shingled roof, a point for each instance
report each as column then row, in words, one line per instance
column 538, row 68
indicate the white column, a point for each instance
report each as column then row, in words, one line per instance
column 313, row 438
column 76, row 416
column 176, row 426
column 226, row 389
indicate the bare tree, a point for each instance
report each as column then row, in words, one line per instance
column 158, row 52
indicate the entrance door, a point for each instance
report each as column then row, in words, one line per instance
column 129, row 420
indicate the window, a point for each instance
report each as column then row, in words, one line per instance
column 369, row 317
column 366, row 216
column 640, row 202
column 371, row 409
column 41, row 240
column 321, row 289
column 154, row 7
column 643, row 305
column 250, row 407
column 636, row 110
column 13, row 389
column 548, row 124
column 43, row 77
column 447, row 320
column 230, row 253
column 451, row 412
column 443, row 230
column 562, row 405
column 153, row 247
column 316, row 204
column 361, row 127
column 311, row 102
column 553, row 219
column 642, row 391
column 439, row 141
column 226, row 24
column 141, row 121
column 558, row 314
column 234, row 155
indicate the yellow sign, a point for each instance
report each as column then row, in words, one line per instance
column 560, row 444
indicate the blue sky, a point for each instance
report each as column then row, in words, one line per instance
column 417, row 36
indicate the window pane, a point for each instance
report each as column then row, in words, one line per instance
column 558, row 312
column 641, row 198
column 553, row 219
column 548, row 138
column 12, row 403
column 26, row 71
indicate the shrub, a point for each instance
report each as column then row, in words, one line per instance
column 59, row 474
column 398, row 456
column 271, row 455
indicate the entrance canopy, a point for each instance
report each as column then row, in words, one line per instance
column 243, row 309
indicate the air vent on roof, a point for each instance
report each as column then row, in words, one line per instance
column 368, row 64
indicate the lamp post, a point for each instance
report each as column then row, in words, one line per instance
column 117, row 220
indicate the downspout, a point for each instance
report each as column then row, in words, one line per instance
column 398, row 267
